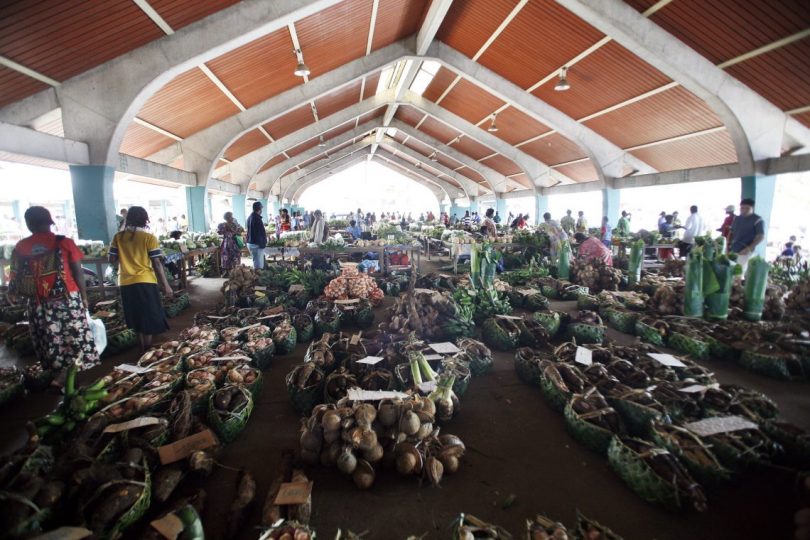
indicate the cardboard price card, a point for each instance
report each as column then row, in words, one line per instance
column 295, row 288
column 371, row 360
column 666, row 360
column 132, row 424
column 183, row 448
column 169, row 526
column 293, row 493
column 584, row 356
column 132, row 369
column 430, row 357
column 358, row 394
column 444, row 347
column 720, row 424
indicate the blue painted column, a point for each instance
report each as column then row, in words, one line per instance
column 198, row 208
column 611, row 199
column 762, row 189
column 94, row 202
column 473, row 205
column 500, row 208
column 540, row 207
column 238, row 206
column 264, row 202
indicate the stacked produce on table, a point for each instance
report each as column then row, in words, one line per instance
column 353, row 284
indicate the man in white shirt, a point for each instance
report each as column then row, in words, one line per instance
column 694, row 227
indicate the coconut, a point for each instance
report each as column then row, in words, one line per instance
column 331, row 420
column 374, row 454
column 346, row 461
column 409, row 424
column 449, row 462
column 364, row 414
column 363, row 475
column 388, row 412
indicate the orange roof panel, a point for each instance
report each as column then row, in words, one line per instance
column 179, row 13
column 469, row 23
column 258, row 70
column 501, row 164
column 470, row 102
column 397, row 19
column 438, row 130
column 514, row 126
column 338, row 100
column 472, row 148
column 370, row 87
column 523, row 180
column 290, row 122
column 554, row 149
column 447, row 161
column 804, row 118
column 187, row 104
column 668, row 114
column 441, row 81
column 278, row 158
column 409, row 115
column 699, row 151
column 303, row 147
column 339, row 130
column 371, row 115
column 542, row 37
column 140, row 141
column 334, row 36
column 419, row 146
column 583, row 171
column 14, row 86
column 250, row 141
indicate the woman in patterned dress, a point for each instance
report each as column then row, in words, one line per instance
column 231, row 252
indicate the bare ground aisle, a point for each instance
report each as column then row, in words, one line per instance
column 516, row 447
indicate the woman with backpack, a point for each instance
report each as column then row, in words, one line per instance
column 137, row 253
column 46, row 272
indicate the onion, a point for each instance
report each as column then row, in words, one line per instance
column 435, row 470
column 424, row 430
column 450, row 463
column 331, row 421
column 409, row 424
column 365, row 414
column 331, row 436
column 406, row 463
column 363, row 475
column 388, row 413
column 374, row 454
column 364, row 439
column 346, row 462
column 311, row 439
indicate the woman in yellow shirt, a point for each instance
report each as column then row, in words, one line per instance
column 137, row 252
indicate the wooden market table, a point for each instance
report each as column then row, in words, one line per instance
column 415, row 254
column 190, row 260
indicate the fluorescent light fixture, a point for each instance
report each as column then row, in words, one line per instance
column 563, row 84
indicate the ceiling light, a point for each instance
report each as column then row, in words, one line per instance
column 492, row 127
column 433, row 157
column 301, row 70
column 321, row 142
column 562, row 85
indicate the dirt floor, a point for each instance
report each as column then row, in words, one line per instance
column 517, row 449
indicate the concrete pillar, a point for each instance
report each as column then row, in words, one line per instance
column 443, row 208
column 761, row 188
column 500, row 207
column 238, row 208
column 94, row 202
column 198, row 210
column 540, row 208
column 264, row 202
column 209, row 212
column 473, row 205
column 611, row 199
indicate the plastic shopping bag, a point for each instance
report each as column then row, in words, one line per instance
column 99, row 333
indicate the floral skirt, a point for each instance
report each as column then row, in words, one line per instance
column 61, row 335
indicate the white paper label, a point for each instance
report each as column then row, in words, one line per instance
column 528, row 292
column 350, row 301
column 694, row 389
column 423, row 291
column 444, row 347
column 433, row 357
column 511, row 317
column 427, row 387
column 132, row 424
column 371, row 360
column 666, row 360
column 358, row 394
column 132, row 369
column 720, row 424
column 584, row 356
column 260, row 288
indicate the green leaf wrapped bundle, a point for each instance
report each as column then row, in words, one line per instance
column 564, row 261
column 636, row 258
column 693, row 292
column 717, row 303
column 475, row 265
column 756, row 283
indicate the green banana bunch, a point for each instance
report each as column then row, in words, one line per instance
column 75, row 407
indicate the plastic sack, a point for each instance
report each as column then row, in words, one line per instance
column 756, row 284
column 564, row 264
column 99, row 333
column 693, row 291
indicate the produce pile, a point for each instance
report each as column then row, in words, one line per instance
column 353, row 284
column 430, row 314
column 540, row 527
column 641, row 414
column 596, row 275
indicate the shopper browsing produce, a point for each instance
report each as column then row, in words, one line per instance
column 591, row 248
column 555, row 232
column 257, row 236
column 747, row 231
column 46, row 272
column 232, row 243
column 488, row 226
column 623, row 226
column 137, row 253
column 568, row 223
column 582, row 223
column 606, row 232
column 694, row 228
column 319, row 229
column 725, row 228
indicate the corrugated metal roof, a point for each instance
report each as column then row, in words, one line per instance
column 290, row 122
column 180, row 13
column 542, row 37
column 338, row 100
column 554, row 149
column 583, row 171
column 62, row 39
column 14, row 86
column 723, row 29
column 334, row 36
column 782, row 76
column 699, row 151
column 469, row 23
column 245, row 144
column 501, row 164
column 668, row 114
column 439, row 84
column 397, row 19
column 140, row 141
column 187, row 104
column 515, row 127
column 606, row 77
column 258, row 70
column 470, row 102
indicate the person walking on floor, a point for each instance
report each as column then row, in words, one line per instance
column 319, row 230
column 694, row 228
column 137, row 254
column 606, row 232
column 725, row 228
column 582, row 223
column 747, row 231
column 232, row 243
column 568, row 223
column 257, row 236
column 47, row 274
column 623, row 226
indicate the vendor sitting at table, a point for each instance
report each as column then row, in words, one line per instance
column 354, row 230
column 592, row 248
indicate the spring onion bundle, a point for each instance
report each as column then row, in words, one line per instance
column 756, row 283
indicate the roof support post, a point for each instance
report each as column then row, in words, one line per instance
column 540, row 206
column 762, row 189
column 757, row 127
column 93, row 201
column 611, row 202
column 199, row 213
column 238, row 202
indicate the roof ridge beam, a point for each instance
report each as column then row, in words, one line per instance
column 756, row 126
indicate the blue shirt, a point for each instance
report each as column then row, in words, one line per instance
column 354, row 231
column 744, row 230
